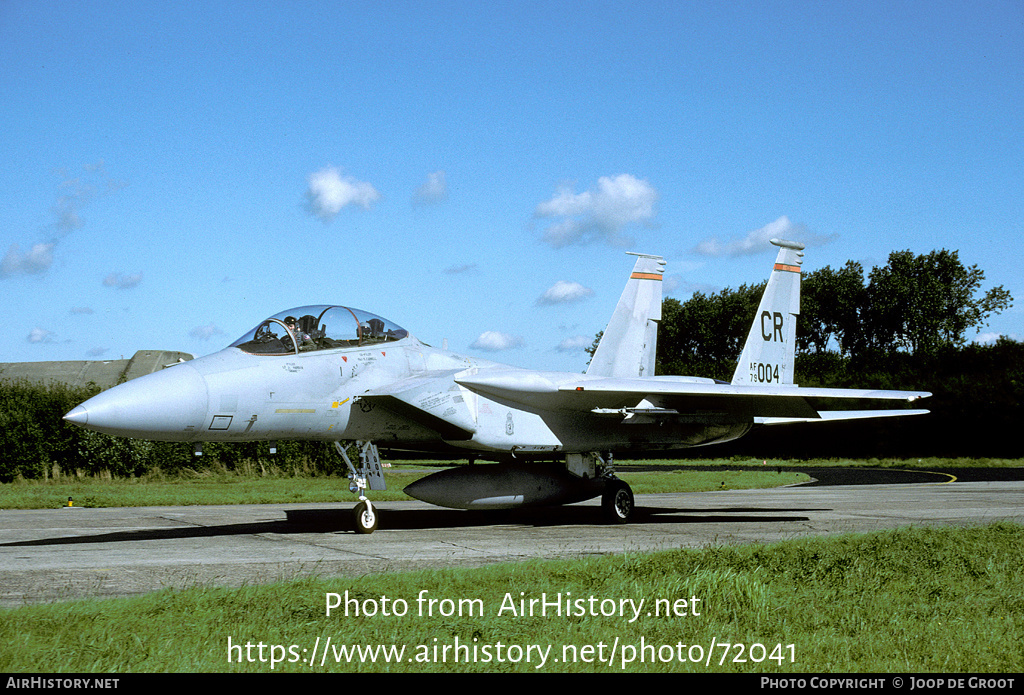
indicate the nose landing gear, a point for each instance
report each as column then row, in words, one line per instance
column 369, row 474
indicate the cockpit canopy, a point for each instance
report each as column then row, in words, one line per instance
column 310, row 328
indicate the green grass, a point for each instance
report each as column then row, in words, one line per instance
column 270, row 485
column 232, row 488
column 912, row 600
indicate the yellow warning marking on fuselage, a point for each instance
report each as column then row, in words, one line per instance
column 338, row 404
column 295, row 410
column 645, row 276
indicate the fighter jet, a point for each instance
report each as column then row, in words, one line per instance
column 339, row 374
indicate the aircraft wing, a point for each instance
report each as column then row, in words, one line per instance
column 672, row 395
column 430, row 399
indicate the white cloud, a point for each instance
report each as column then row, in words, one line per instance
column 68, row 219
column 122, row 282
column 600, row 213
column 757, row 241
column 671, row 283
column 991, row 338
column 575, row 344
column 563, row 292
column 40, row 335
column 493, row 341
column 38, row 260
column 329, row 192
column 78, row 192
column 433, row 190
column 205, row 332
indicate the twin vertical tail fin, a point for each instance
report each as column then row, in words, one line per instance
column 770, row 350
column 629, row 344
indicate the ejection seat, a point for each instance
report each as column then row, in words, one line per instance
column 308, row 325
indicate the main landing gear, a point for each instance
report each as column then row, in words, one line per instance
column 592, row 473
column 369, row 474
column 617, row 501
column 617, row 497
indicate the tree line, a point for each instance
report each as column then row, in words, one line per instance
column 905, row 325
column 916, row 304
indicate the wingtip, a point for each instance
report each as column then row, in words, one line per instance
column 795, row 245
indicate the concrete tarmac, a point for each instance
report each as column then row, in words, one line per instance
column 69, row 553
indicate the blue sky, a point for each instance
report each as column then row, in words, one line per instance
column 172, row 173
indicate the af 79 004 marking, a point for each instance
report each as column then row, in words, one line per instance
column 764, row 373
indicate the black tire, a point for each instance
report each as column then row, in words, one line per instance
column 617, row 502
column 365, row 517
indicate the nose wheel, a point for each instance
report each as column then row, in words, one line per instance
column 365, row 517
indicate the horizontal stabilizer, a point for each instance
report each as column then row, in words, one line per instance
column 681, row 386
column 837, row 415
column 565, row 392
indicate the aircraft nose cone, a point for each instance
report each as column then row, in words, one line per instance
column 78, row 416
column 169, row 405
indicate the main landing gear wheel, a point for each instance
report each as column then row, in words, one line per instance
column 617, row 501
column 366, row 517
